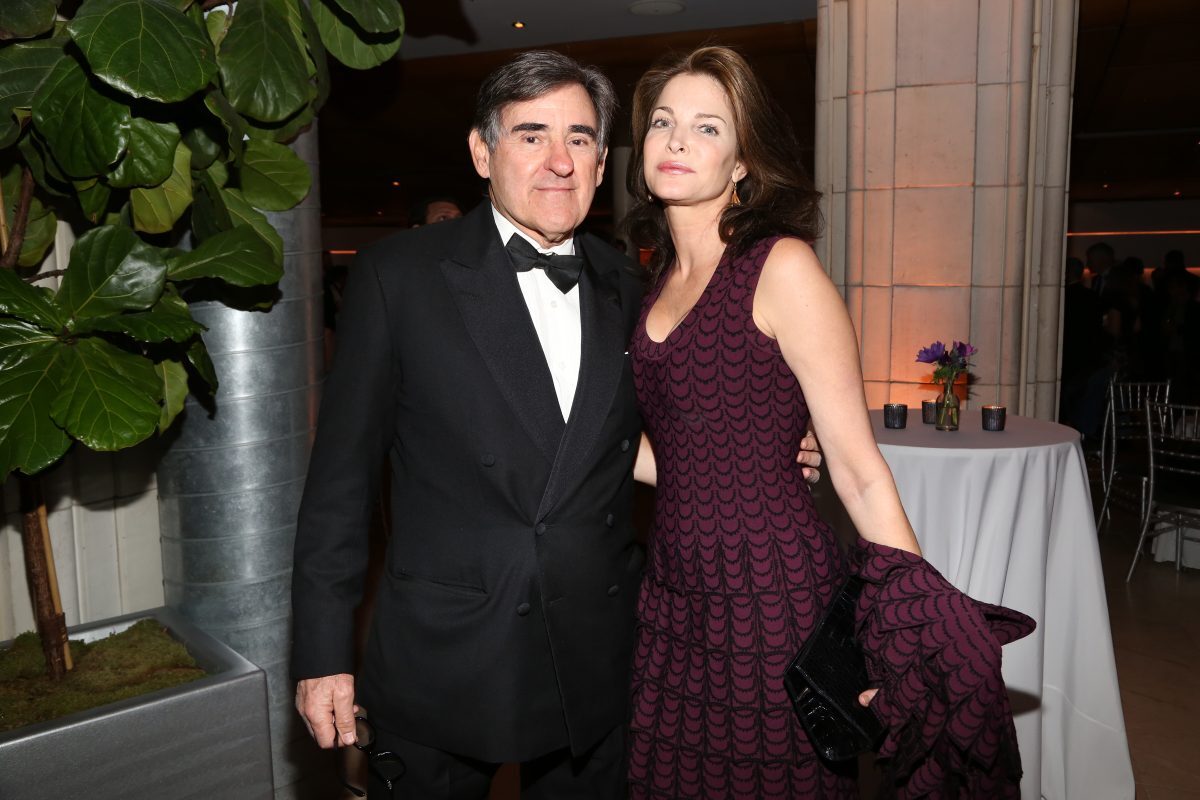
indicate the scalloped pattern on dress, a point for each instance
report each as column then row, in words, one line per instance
column 935, row 653
column 740, row 566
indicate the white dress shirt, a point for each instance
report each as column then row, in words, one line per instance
column 555, row 316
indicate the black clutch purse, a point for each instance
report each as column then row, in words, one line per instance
column 825, row 680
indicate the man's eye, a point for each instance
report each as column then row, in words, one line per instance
column 530, row 139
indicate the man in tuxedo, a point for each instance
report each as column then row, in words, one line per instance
column 498, row 385
column 486, row 358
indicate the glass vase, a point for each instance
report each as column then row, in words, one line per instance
column 947, row 412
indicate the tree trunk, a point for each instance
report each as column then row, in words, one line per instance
column 43, row 579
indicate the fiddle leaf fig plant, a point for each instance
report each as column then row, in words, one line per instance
column 148, row 125
column 157, row 129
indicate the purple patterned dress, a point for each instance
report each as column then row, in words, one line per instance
column 740, row 566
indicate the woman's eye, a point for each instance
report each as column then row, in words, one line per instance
column 659, row 123
column 711, row 130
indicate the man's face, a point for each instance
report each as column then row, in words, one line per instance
column 440, row 211
column 546, row 165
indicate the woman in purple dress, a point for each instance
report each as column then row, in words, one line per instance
column 743, row 339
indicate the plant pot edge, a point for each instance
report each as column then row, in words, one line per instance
column 212, row 731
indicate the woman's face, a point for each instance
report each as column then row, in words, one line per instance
column 690, row 154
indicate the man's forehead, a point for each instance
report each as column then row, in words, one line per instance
column 569, row 105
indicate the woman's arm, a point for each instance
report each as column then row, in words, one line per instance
column 797, row 305
column 644, row 469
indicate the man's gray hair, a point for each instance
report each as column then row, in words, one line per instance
column 533, row 74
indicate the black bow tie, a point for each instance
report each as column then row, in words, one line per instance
column 563, row 271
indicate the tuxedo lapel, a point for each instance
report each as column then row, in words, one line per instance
column 484, row 285
column 601, row 360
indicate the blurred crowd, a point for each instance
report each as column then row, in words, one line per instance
column 1122, row 321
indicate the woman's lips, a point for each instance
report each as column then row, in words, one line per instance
column 674, row 168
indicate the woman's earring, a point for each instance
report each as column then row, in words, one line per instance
column 737, row 201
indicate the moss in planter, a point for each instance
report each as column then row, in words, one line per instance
column 141, row 659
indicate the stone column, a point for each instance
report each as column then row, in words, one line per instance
column 943, row 128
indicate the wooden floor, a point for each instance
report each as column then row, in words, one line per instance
column 1156, row 635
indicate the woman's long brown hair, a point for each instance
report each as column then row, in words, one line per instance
column 777, row 196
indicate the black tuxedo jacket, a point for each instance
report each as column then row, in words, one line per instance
column 504, row 622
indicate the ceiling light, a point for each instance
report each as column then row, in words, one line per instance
column 654, row 8
column 1106, row 186
column 395, row 183
column 1178, row 194
column 518, row 24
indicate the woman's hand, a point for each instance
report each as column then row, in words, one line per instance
column 810, row 457
column 866, row 697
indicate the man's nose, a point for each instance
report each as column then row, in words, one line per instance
column 558, row 160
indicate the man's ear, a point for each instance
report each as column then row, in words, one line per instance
column 480, row 154
column 600, row 166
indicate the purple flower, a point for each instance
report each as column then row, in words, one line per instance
column 932, row 354
column 964, row 350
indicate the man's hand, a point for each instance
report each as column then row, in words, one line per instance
column 327, row 707
column 810, row 457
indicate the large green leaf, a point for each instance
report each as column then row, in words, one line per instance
column 287, row 130
column 350, row 44
column 242, row 213
column 173, row 377
column 150, row 156
column 39, row 236
column 145, row 48
column 263, row 68
column 108, row 398
column 157, row 209
column 23, row 67
column 290, row 9
column 27, row 302
column 375, row 16
column 209, row 214
column 239, row 256
column 111, row 270
column 86, row 130
column 197, row 356
column 40, row 225
column 29, row 439
column 204, row 142
column 273, row 178
column 46, row 171
column 24, row 19
column 216, row 22
column 316, row 51
column 93, row 198
column 150, row 327
column 218, row 172
column 235, row 126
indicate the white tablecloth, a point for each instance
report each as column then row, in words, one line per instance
column 1163, row 548
column 1007, row 518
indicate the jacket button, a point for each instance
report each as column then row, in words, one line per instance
column 523, row 609
column 624, row 445
column 540, row 529
column 487, row 459
column 609, row 520
column 612, row 590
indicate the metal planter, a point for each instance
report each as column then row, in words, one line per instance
column 205, row 740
